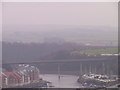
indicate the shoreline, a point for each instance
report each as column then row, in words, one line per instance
column 38, row 84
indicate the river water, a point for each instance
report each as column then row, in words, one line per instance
column 65, row 81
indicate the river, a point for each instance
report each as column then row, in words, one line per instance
column 65, row 81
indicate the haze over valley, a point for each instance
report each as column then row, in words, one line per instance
column 60, row 34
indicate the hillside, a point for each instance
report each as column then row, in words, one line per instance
column 15, row 52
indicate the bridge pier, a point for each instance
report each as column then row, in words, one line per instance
column 59, row 71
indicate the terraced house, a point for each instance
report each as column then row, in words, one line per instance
column 24, row 74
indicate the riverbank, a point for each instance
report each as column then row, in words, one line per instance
column 36, row 84
column 53, row 81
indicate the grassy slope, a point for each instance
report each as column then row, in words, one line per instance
column 97, row 51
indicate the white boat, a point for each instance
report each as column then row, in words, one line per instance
column 96, row 79
column 49, row 84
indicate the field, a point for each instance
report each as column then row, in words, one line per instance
column 97, row 51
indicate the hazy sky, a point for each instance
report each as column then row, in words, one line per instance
column 0, row 21
column 88, row 14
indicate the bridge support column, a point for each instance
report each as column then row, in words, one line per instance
column 58, row 71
